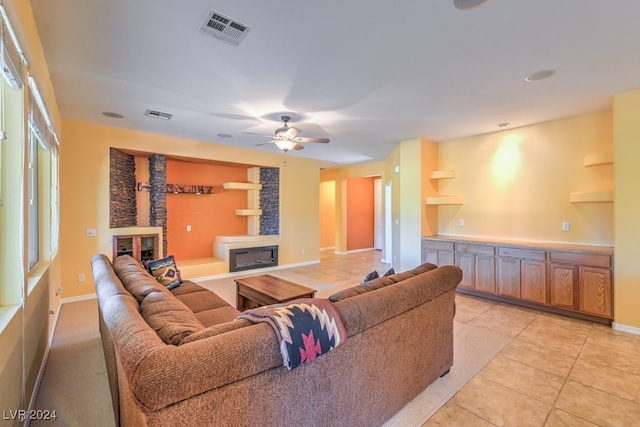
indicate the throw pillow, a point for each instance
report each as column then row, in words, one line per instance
column 165, row 271
column 389, row 272
column 370, row 276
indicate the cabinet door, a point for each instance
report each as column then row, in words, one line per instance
column 429, row 255
column 466, row 263
column 594, row 289
column 509, row 277
column 124, row 245
column 485, row 277
column 533, row 281
column 445, row 258
column 563, row 286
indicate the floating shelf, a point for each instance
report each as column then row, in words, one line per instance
column 442, row 174
column 241, row 186
column 445, row 200
column 598, row 159
column 248, row 212
column 591, row 197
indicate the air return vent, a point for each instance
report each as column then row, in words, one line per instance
column 155, row 114
column 224, row 28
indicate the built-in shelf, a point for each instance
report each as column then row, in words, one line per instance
column 445, row 200
column 442, row 174
column 591, row 197
column 241, row 186
column 248, row 212
column 179, row 188
column 599, row 159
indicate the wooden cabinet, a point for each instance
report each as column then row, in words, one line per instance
column 581, row 282
column 573, row 279
column 438, row 253
column 142, row 247
column 477, row 262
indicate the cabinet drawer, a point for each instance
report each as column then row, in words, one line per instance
column 594, row 260
column 534, row 254
column 437, row 245
column 475, row 248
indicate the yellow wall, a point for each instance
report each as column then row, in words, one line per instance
column 429, row 163
column 85, row 193
column 516, row 183
column 327, row 214
column 627, row 206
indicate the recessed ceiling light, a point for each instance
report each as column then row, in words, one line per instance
column 503, row 125
column 539, row 75
column 113, row 115
column 468, row 4
column 224, row 135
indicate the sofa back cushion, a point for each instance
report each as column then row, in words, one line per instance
column 380, row 282
column 169, row 317
column 135, row 278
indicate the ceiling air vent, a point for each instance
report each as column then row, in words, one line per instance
column 158, row 114
column 224, row 28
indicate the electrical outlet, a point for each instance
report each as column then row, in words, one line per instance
column 81, row 277
column 188, row 228
column 565, row 226
column 461, row 223
column 302, row 251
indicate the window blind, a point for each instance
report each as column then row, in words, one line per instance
column 39, row 119
column 11, row 58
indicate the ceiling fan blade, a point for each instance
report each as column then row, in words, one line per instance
column 293, row 132
column 298, row 146
column 258, row 134
column 302, row 139
column 264, row 143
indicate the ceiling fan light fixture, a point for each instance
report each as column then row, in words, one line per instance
column 285, row 144
column 468, row 4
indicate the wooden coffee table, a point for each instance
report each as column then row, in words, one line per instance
column 265, row 289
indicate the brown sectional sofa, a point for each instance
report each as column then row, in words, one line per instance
column 179, row 357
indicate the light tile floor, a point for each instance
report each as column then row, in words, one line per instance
column 557, row 371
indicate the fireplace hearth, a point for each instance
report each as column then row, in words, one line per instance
column 249, row 258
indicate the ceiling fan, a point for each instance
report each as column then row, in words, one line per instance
column 286, row 138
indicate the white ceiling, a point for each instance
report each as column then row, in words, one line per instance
column 365, row 74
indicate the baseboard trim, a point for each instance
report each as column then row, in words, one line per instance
column 625, row 328
column 79, row 298
column 354, row 251
column 255, row 272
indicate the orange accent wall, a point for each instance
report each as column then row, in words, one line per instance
column 360, row 213
column 209, row 215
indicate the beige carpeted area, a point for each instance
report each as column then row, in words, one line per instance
column 75, row 379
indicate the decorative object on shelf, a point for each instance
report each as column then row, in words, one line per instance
column 241, row 186
column 179, row 188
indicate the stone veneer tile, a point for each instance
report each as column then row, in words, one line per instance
column 597, row 406
column 611, row 380
column 551, row 361
column 500, row 405
column 453, row 415
column 523, row 378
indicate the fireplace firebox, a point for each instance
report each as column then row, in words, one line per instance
column 249, row 258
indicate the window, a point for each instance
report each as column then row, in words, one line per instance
column 33, row 241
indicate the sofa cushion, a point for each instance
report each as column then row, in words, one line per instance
column 218, row 329
column 165, row 271
column 380, row 282
column 135, row 278
column 169, row 317
column 215, row 316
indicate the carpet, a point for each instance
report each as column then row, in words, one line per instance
column 75, row 379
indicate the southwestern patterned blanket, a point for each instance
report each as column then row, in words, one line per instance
column 306, row 328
